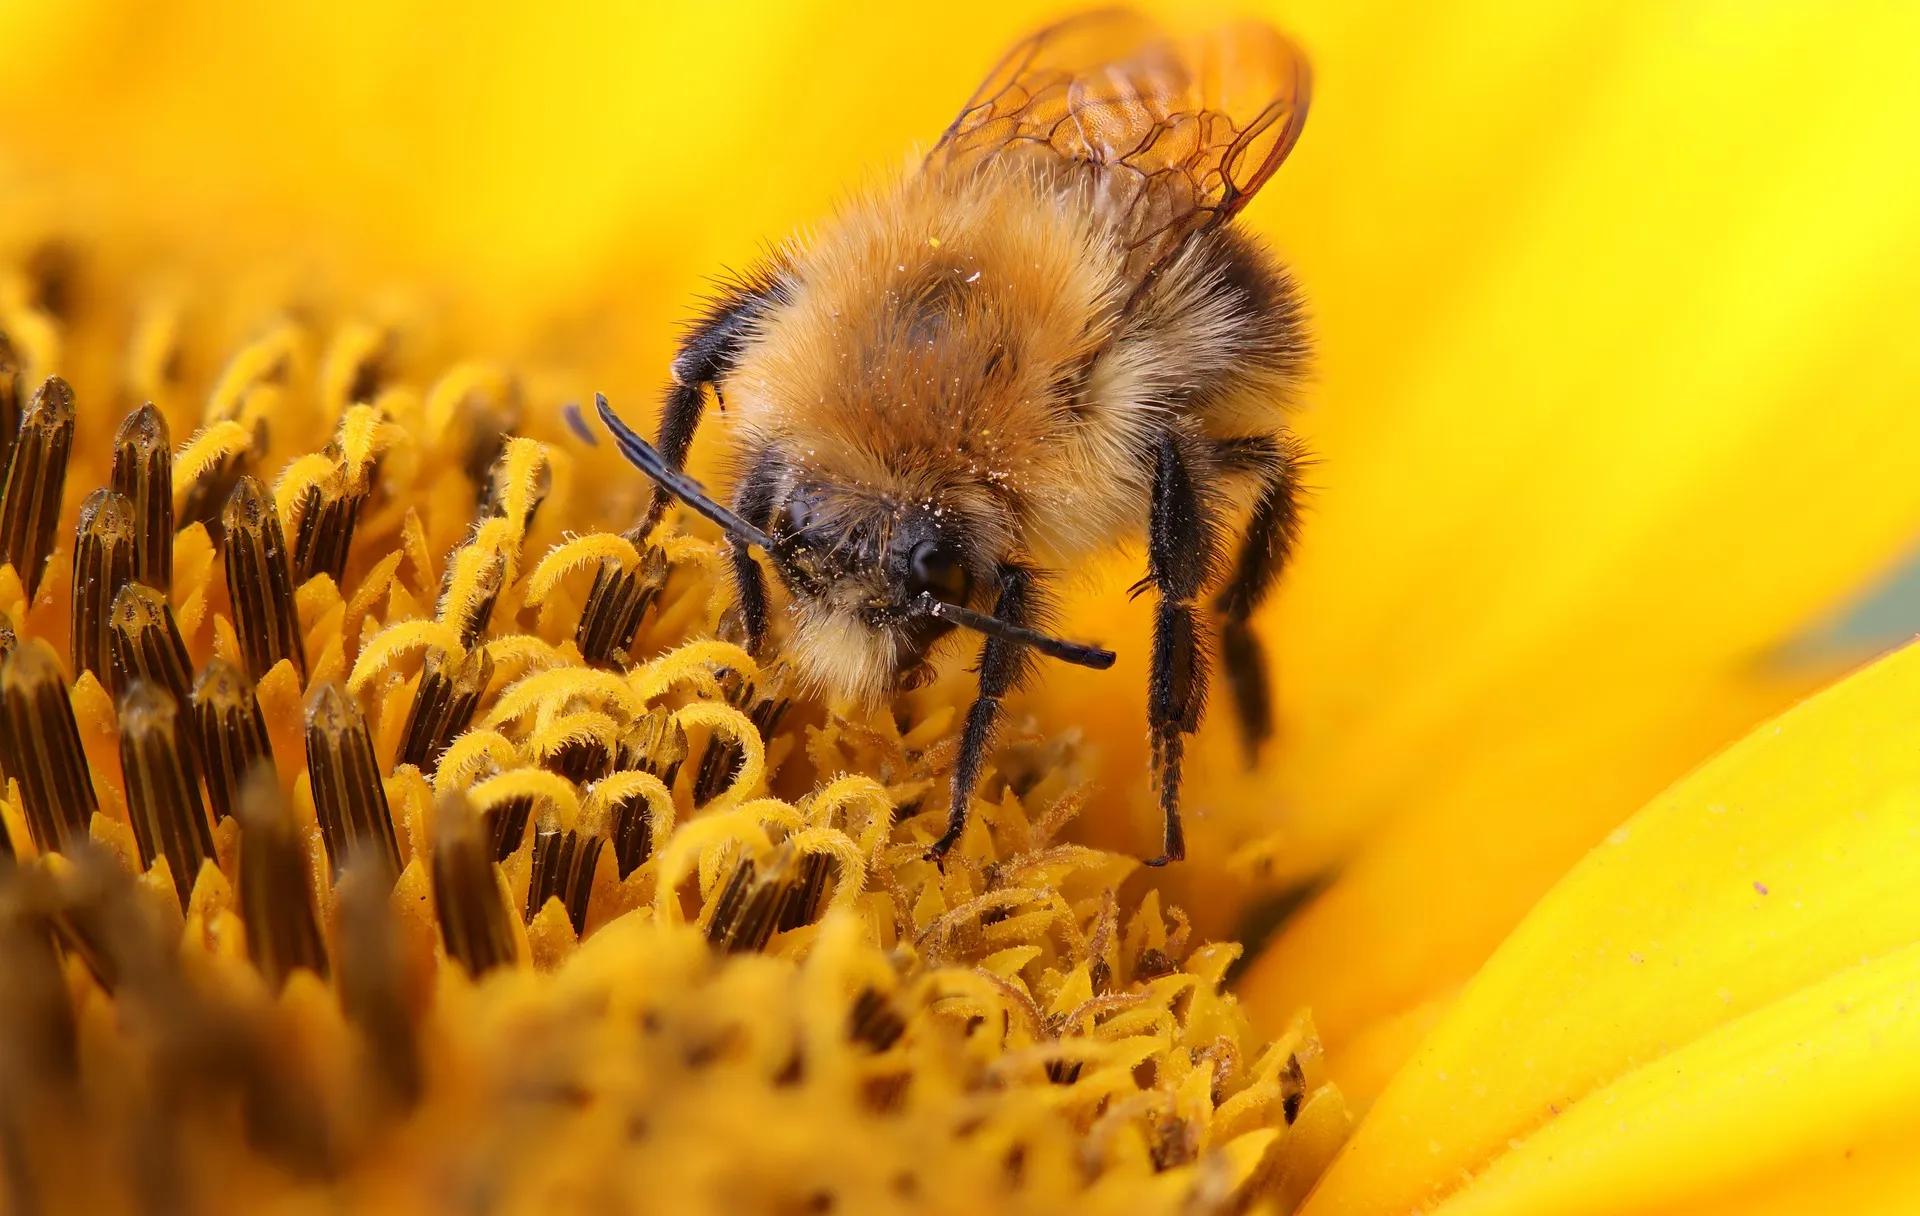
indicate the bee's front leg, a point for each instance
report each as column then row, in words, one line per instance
column 708, row 352
column 1003, row 665
column 1181, row 543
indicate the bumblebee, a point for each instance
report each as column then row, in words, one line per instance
column 1047, row 341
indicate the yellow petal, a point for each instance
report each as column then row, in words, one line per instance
column 1721, row 992
column 1574, row 492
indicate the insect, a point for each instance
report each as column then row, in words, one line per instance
column 1046, row 341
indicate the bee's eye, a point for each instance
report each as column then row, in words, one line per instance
column 799, row 514
column 938, row 567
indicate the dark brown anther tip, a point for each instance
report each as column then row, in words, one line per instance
column 276, row 900
column 347, row 794
column 143, row 472
column 781, row 893
column 563, row 865
column 40, row 747
column 443, row 704
column 615, row 606
column 327, row 516
column 104, row 561
column 163, row 784
column 653, row 744
column 260, row 581
column 474, row 924
column 36, row 478
column 230, row 731
column 144, row 643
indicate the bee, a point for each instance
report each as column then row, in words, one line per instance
column 1048, row 340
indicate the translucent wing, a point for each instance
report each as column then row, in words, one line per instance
column 1175, row 134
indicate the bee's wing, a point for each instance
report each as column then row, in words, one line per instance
column 1177, row 135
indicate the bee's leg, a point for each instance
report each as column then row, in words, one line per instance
column 1003, row 665
column 1271, row 533
column 706, row 355
column 1181, row 540
column 753, row 502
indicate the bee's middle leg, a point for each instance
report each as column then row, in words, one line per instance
column 1182, row 538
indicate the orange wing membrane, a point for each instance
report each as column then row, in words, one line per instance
column 1176, row 134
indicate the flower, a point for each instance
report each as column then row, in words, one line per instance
column 1610, row 405
column 387, row 827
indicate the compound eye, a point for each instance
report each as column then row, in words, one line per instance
column 798, row 515
column 938, row 567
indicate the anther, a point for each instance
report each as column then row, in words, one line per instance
column 231, row 733
column 40, row 747
column 104, row 561
column 163, row 785
column 260, row 581
column 143, row 472
column 372, row 978
column 276, row 900
column 473, row 917
column 36, row 478
column 615, row 606
column 654, row 744
column 764, row 703
column 328, row 514
column 443, row 704
column 347, row 794
column 563, row 865
column 757, row 902
column 143, row 643
column 12, row 389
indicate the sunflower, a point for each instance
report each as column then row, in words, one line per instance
column 555, row 896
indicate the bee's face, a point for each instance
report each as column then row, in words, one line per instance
column 854, row 566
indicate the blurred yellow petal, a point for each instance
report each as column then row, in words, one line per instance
column 1720, row 995
column 1607, row 416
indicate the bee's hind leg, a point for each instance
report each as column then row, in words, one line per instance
column 1182, row 539
column 1271, row 533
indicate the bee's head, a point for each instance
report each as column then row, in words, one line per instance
column 876, row 573
column 861, row 569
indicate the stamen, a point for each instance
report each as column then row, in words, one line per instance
column 36, row 478
column 328, row 514
column 874, row 1021
column 163, row 785
column 8, row 639
column 143, row 643
column 231, row 733
column 276, row 901
column 466, row 897
column 37, row 1025
column 655, row 744
column 507, row 825
column 12, row 389
column 764, row 704
column 347, row 795
column 104, row 561
column 469, row 590
column 757, row 903
column 563, row 864
column 444, row 704
column 615, row 607
column 372, row 978
column 260, row 582
column 143, row 472
column 40, row 747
